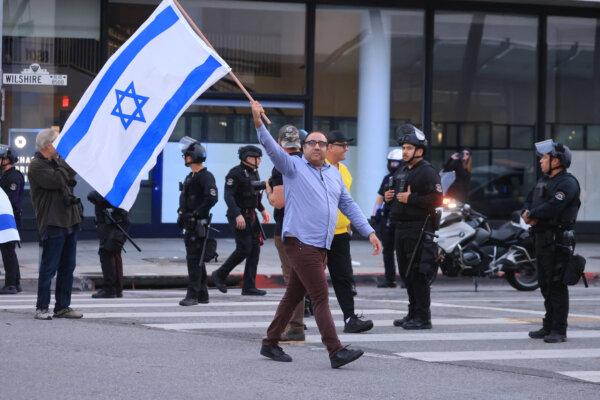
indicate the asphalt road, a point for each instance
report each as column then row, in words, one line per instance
column 146, row 346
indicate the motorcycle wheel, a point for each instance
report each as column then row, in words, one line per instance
column 525, row 280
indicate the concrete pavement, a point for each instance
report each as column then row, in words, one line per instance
column 162, row 263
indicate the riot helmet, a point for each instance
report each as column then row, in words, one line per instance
column 409, row 134
column 394, row 160
column 6, row 152
column 191, row 147
column 249, row 151
column 555, row 150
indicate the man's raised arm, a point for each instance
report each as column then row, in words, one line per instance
column 281, row 160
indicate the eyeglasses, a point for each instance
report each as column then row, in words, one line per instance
column 344, row 145
column 313, row 143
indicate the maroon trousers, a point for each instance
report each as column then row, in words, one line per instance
column 307, row 275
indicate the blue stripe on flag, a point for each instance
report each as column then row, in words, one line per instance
column 7, row 221
column 80, row 127
column 158, row 128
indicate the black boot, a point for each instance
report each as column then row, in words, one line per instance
column 356, row 324
column 345, row 356
column 555, row 337
column 416, row 324
column 103, row 294
column 9, row 290
column 275, row 353
column 219, row 282
column 539, row 334
column 402, row 321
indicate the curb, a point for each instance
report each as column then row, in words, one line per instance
column 89, row 282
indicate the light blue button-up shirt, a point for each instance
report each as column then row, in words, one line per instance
column 312, row 197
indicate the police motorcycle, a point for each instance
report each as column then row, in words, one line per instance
column 468, row 246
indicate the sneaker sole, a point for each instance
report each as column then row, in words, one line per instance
column 272, row 358
column 349, row 361
column 361, row 330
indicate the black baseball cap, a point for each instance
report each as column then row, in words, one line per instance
column 338, row 137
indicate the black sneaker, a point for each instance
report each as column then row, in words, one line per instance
column 386, row 284
column 555, row 337
column 416, row 324
column 188, row 302
column 19, row 288
column 9, row 290
column 203, row 299
column 356, row 324
column 253, row 292
column 345, row 356
column 402, row 321
column 539, row 334
column 219, row 282
column 103, row 294
column 275, row 353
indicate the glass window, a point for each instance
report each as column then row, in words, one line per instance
column 573, row 78
column 262, row 42
column 484, row 82
column 393, row 39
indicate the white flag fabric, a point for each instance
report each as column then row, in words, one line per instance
column 8, row 225
column 125, row 117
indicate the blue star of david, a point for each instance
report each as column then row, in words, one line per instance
column 137, row 115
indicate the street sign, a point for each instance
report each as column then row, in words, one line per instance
column 34, row 75
column 22, row 144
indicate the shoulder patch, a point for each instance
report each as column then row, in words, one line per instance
column 560, row 196
column 438, row 188
column 229, row 181
column 213, row 192
column 13, row 186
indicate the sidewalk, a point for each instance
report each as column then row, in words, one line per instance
column 162, row 264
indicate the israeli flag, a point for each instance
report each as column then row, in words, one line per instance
column 8, row 225
column 125, row 118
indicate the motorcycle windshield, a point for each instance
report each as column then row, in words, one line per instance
column 447, row 179
column 544, row 147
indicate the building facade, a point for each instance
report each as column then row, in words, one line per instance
column 491, row 76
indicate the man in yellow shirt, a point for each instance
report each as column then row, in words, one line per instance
column 339, row 261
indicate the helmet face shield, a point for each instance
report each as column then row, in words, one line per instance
column 3, row 150
column 545, row 147
column 185, row 142
column 419, row 134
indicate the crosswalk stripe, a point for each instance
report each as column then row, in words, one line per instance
column 183, row 314
column 446, row 336
column 488, row 355
column 312, row 323
column 589, row 376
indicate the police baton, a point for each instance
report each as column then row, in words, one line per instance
column 119, row 227
column 208, row 229
column 418, row 245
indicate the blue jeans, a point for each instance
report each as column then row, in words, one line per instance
column 58, row 258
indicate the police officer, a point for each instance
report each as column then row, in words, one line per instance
column 417, row 192
column 243, row 194
column 12, row 182
column 198, row 195
column 381, row 218
column 112, row 241
column 551, row 208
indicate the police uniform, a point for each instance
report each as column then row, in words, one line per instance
column 112, row 241
column 243, row 199
column 12, row 182
column 198, row 195
column 387, row 230
column 554, row 203
column 409, row 218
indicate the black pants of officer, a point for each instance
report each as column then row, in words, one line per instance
column 197, row 288
column 417, row 281
column 388, row 232
column 247, row 247
column 111, row 263
column 339, row 264
column 11, row 264
column 550, row 261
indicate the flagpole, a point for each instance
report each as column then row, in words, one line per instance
column 231, row 74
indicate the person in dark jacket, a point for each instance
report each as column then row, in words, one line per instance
column 243, row 197
column 12, row 182
column 58, row 214
column 198, row 195
column 112, row 241
column 462, row 165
